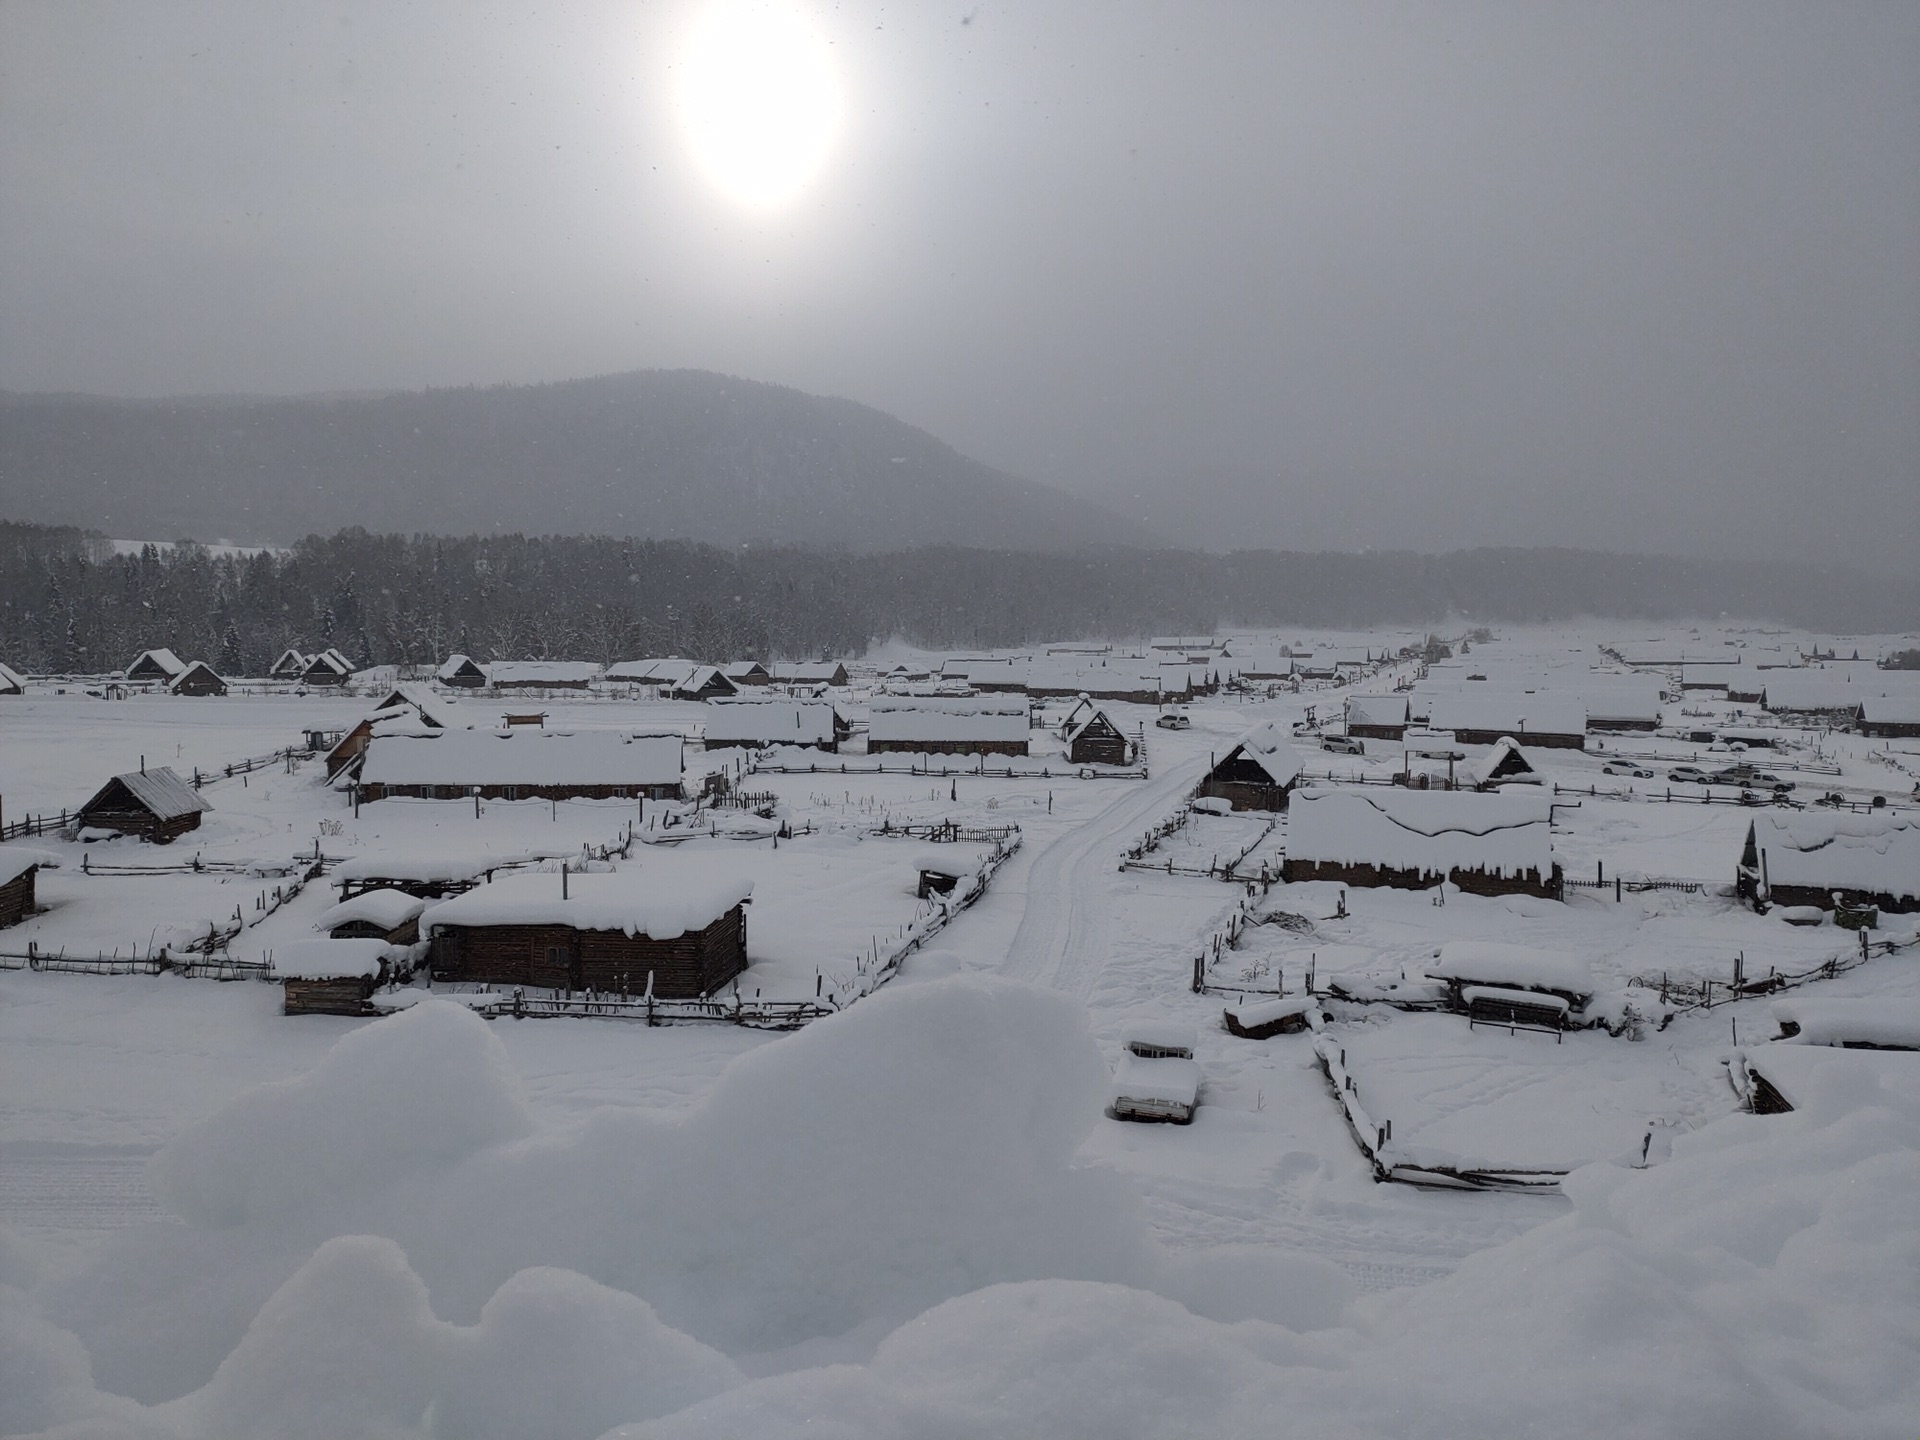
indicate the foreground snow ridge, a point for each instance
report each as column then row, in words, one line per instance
column 881, row 1217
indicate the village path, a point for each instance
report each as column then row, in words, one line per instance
column 1063, row 934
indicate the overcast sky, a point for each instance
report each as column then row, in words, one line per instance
column 1312, row 275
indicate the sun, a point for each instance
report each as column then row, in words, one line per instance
column 759, row 100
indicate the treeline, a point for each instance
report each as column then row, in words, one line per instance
column 70, row 604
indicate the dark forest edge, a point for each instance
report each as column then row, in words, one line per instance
column 69, row 604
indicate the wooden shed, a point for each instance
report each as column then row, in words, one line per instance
column 522, row 764
column 747, row 672
column 291, row 665
column 1377, row 717
column 16, row 887
column 1505, row 764
column 1816, row 858
column 704, row 683
column 329, row 667
column 671, row 927
column 462, row 673
column 11, row 682
column 198, row 678
column 156, row 805
column 161, row 665
column 387, row 914
column 1258, row 773
column 977, row 725
column 1413, row 839
column 1096, row 740
column 332, row 977
column 1889, row 717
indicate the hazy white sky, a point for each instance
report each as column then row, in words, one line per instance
column 1319, row 274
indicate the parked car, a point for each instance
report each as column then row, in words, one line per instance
column 1343, row 745
column 1751, row 777
column 1174, row 720
column 1689, row 775
column 1619, row 765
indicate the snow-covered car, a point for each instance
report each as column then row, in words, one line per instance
column 1174, row 720
column 1689, row 775
column 1618, row 765
column 1343, row 745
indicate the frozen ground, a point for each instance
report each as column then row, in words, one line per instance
column 787, row 1206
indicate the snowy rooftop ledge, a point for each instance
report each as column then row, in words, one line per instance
column 662, row 898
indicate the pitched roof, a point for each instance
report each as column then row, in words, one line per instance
column 11, row 679
column 159, row 791
column 776, row 722
column 662, row 897
column 169, row 662
column 1271, row 748
column 523, row 757
column 1426, row 831
column 1824, row 851
column 931, row 721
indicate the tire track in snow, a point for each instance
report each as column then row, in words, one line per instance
column 1063, row 931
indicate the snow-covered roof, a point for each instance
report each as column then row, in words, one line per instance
column 389, row 909
column 661, row 897
column 1088, row 718
column 1506, row 752
column 455, row 665
column 670, row 670
column 1799, row 1072
column 330, row 959
column 1887, row 1022
column 290, row 660
column 740, row 669
column 1425, row 831
column 813, row 672
column 1710, row 676
column 198, row 667
column 169, row 662
column 771, row 722
column 972, row 718
column 11, row 679
column 1271, row 748
column 15, row 863
column 457, row 866
column 1501, row 994
column 1169, row 1082
column 704, row 677
column 1376, row 709
column 160, row 791
column 1523, row 967
column 1515, row 713
column 1832, row 689
column 1255, row 1013
column 1168, row 1038
column 523, row 757
column 542, row 672
column 1826, row 851
column 1878, row 709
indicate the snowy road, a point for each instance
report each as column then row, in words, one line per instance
column 1063, row 934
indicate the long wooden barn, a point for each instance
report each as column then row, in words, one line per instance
column 522, row 764
column 1412, row 839
column 156, row 805
column 670, row 927
column 1547, row 721
column 760, row 723
column 1823, row 859
column 1258, row 773
column 978, row 725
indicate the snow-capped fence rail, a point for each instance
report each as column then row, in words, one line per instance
column 1215, row 868
column 946, row 832
column 1688, row 994
column 288, row 756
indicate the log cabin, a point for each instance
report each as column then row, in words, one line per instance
column 461, row 672
column 1828, row 860
column 16, row 887
column 1258, row 773
column 161, row 665
column 157, row 805
column 672, row 927
column 384, row 914
column 1412, row 839
column 198, row 679
column 976, row 725
column 522, row 764
column 1096, row 740
column 332, row 977
column 757, row 724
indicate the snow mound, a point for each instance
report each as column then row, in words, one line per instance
column 421, row 1089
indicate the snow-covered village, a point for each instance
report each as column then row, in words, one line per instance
column 542, row 1047
column 959, row 721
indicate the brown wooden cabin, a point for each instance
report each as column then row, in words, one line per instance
column 157, row 805
column 1096, row 740
column 560, row 957
column 1259, row 773
column 162, row 665
column 461, row 672
column 705, row 683
column 329, row 667
column 1888, row 718
column 1470, row 881
column 332, row 977
column 1843, row 866
column 16, row 894
column 198, row 678
column 291, row 664
column 747, row 672
column 11, row 683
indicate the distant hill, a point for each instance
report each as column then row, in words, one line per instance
column 658, row 453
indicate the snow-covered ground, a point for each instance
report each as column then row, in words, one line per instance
column 913, row 1218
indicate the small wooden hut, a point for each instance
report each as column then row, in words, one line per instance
column 161, row 665
column 387, row 914
column 16, row 888
column 156, row 805
column 747, row 672
column 461, row 673
column 1258, row 773
column 329, row 667
column 11, row 682
column 1096, row 740
column 675, row 930
column 198, row 678
column 704, row 683
column 332, row 977
column 291, row 665
column 1505, row 764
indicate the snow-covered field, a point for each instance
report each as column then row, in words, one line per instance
column 913, row 1218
